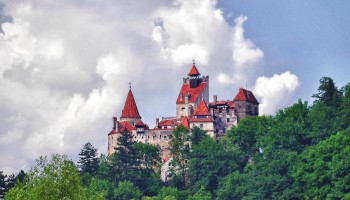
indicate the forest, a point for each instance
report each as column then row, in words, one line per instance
column 302, row 152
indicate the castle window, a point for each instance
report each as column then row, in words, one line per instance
column 200, row 125
column 160, row 136
column 228, row 119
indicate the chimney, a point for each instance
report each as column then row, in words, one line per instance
column 115, row 123
column 215, row 99
column 157, row 121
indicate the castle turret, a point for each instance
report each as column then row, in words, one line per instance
column 194, row 89
column 245, row 104
column 130, row 112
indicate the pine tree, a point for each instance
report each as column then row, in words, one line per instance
column 88, row 160
column 125, row 162
column 2, row 185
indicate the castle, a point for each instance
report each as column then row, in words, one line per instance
column 192, row 109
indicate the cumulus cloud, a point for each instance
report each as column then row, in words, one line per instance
column 275, row 91
column 245, row 56
column 66, row 65
column 184, row 33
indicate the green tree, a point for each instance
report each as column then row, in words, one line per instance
column 150, row 163
column 125, row 161
column 345, row 107
column 127, row 191
column 2, row 184
column 248, row 132
column 328, row 93
column 88, row 160
column 201, row 194
column 54, row 179
column 197, row 135
column 179, row 148
column 323, row 170
column 100, row 189
column 209, row 161
column 173, row 193
column 103, row 167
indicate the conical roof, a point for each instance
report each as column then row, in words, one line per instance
column 202, row 109
column 130, row 109
column 194, row 71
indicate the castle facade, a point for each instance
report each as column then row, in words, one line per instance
column 192, row 109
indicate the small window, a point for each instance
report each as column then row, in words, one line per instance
column 200, row 125
column 164, row 137
column 228, row 119
column 160, row 136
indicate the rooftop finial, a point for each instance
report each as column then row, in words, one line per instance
column 194, row 63
column 130, row 85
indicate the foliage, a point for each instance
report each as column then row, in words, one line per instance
column 88, row 160
column 54, row 179
column 124, row 162
column 2, row 184
column 210, row 160
column 197, row 135
column 127, row 191
column 323, row 170
column 179, row 148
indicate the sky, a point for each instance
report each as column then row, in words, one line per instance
column 65, row 66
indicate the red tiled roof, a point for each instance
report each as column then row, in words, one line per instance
column 202, row 109
column 184, row 121
column 193, row 93
column 168, row 122
column 207, row 119
column 125, row 125
column 193, row 71
column 140, row 123
column 130, row 109
column 245, row 95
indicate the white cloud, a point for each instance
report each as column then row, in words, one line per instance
column 276, row 91
column 184, row 33
column 245, row 57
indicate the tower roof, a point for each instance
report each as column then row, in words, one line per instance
column 245, row 95
column 202, row 109
column 194, row 71
column 130, row 109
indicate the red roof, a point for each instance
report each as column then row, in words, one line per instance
column 207, row 119
column 184, row 121
column 140, row 123
column 168, row 122
column 202, row 109
column 125, row 125
column 130, row 109
column 194, row 71
column 193, row 93
column 245, row 95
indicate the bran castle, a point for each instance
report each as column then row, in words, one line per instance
column 192, row 109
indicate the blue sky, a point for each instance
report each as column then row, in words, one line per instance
column 310, row 38
column 66, row 65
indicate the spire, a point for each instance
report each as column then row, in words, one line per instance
column 130, row 109
column 194, row 71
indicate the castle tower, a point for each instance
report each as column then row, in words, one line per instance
column 245, row 104
column 129, row 121
column 202, row 119
column 130, row 112
column 193, row 90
